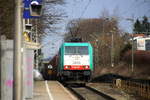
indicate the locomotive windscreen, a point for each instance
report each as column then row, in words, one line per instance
column 76, row 50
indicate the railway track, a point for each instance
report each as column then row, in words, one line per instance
column 88, row 93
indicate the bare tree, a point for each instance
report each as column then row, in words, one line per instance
column 50, row 17
column 6, row 18
column 99, row 32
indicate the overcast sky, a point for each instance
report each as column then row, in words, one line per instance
column 93, row 9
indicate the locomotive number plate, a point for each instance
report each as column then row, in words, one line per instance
column 76, row 62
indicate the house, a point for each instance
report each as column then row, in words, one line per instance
column 141, row 42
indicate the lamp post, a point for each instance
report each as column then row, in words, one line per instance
column 96, row 58
column 97, row 47
column 132, row 66
column 112, row 49
column 112, row 46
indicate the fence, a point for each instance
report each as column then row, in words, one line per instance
column 141, row 89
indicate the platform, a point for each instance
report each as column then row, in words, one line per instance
column 50, row 90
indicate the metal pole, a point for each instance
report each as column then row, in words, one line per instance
column 103, row 27
column 97, row 53
column 0, row 64
column 23, row 71
column 96, row 58
column 17, row 52
column 132, row 69
column 112, row 50
column 132, row 59
column 132, row 54
column 36, row 32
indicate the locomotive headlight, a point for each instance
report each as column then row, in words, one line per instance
column 66, row 67
column 86, row 67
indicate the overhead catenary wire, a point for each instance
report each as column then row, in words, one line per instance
column 83, row 12
column 81, row 15
column 86, row 7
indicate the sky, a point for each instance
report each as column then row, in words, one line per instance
column 93, row 9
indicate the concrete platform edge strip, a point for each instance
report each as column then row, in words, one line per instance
column 73, row 97
column 48, row 91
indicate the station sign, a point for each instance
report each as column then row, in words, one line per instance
column 32, row 45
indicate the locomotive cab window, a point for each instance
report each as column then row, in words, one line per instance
column 76, row 50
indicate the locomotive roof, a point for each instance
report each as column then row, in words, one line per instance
column 76, row 44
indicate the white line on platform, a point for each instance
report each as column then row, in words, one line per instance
column 48, row 91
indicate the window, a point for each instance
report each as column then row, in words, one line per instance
column 147, row 44
column 76, row 50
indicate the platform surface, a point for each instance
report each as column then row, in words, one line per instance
column 50, row 90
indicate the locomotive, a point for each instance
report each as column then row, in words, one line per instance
column 75, row 62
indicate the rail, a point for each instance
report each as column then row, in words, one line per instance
column 80, row 97
column 100, row 93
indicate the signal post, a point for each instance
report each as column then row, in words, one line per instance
column 32, row 9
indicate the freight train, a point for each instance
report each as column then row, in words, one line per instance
column 49, row 68
column 75, row 62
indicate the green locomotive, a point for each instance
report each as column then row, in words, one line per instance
column 75, row 61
